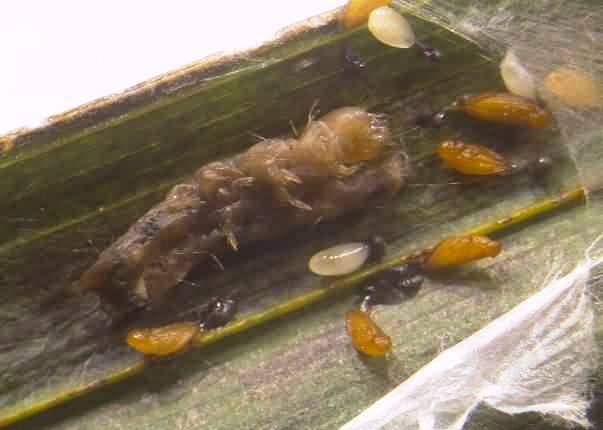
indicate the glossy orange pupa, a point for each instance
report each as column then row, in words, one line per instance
column 459, row 250
column 367, row 337
column 472, row 160
column 504, row 108
column 163, row 341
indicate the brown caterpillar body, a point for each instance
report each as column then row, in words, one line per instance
column 338, row 164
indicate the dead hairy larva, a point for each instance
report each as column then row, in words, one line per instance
column 342, row 162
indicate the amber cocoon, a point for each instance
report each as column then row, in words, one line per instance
column 473, row 160
column 455, row 251
column 574, row 88
column 356, row 12
column 163, row 341
column 505, row 108
column 367, row 337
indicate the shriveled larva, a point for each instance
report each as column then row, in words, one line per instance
column 163, row 341
column 574, row 88
column 455, row 251
column 346, row 258
column 339, row 164
column 356, row 12
column 391, row 28
column 505, row 108
column 473, row 160
column 516, row 77
column 367, row 337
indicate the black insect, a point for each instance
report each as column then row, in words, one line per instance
column 537, row 168
column 353, row 63
column 392, row 286
column 432, row 53
column 378, row 248
column 219, row 312
column 430, row 119
column 355, row 68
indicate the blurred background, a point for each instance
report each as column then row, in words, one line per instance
column 58, row 55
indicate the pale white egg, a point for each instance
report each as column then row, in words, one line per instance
column 391, row 28
column 516, row 77
column 340, row 259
